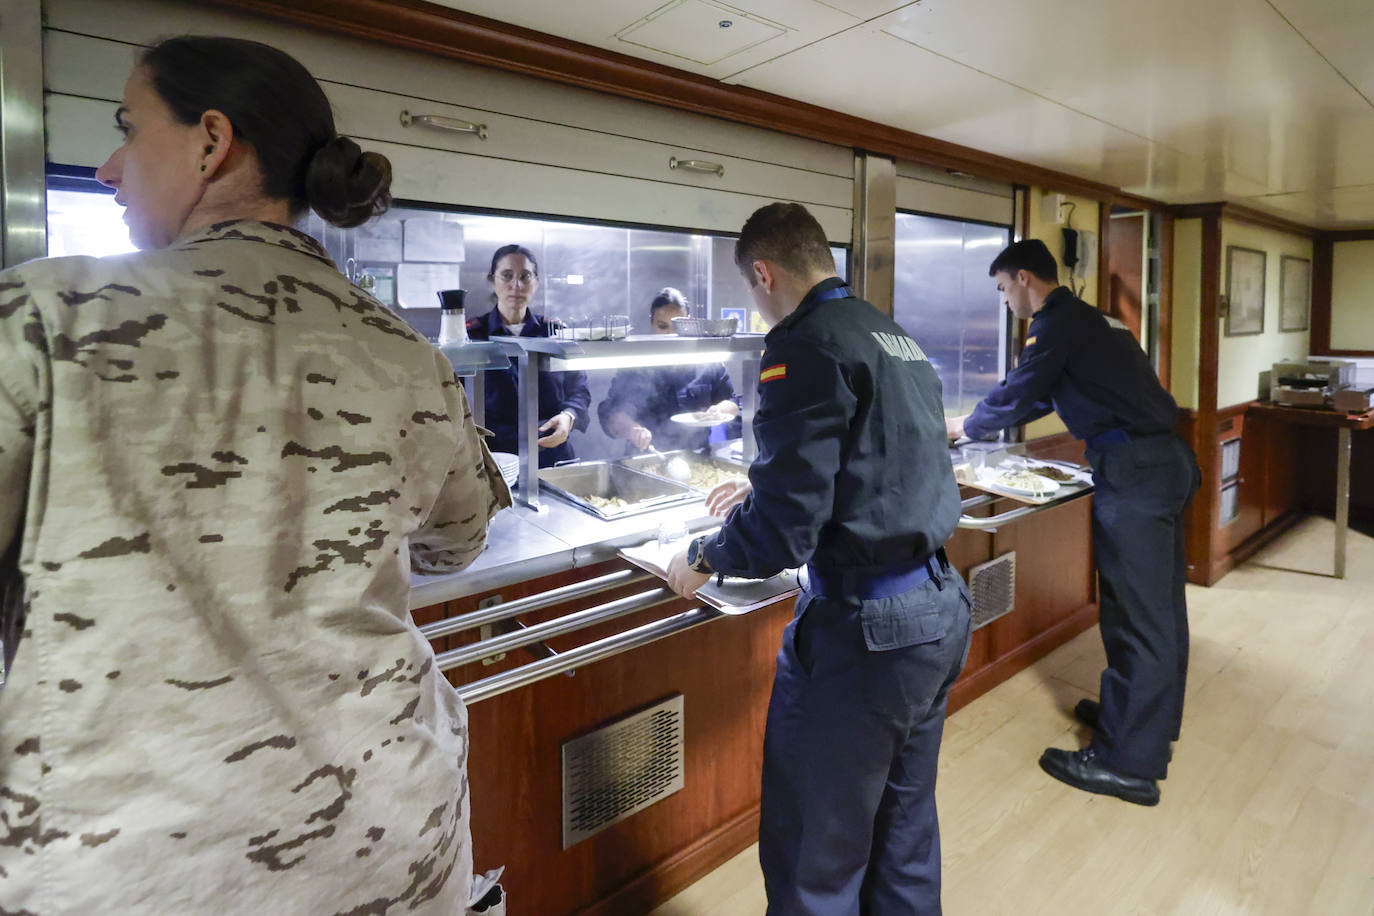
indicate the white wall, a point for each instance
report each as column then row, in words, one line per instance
column 1352, row 296
column 1241, row 360
column 1187, row 308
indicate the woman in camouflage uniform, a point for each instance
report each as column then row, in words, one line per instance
column 219, row 463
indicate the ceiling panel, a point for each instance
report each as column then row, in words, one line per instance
column 1340, row 208
column 1265, row 101
column 868, row 9
column 598, row 22
column 1342, row 31
column 894, row 82
column 1215, row 79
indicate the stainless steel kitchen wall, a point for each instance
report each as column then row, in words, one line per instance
column 946, row 301
column 23, row 211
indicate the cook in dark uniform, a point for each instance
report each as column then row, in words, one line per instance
column 1091, row 370
column 564, row 398
column 853, row 480
column 641, row 402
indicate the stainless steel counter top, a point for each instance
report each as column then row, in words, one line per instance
column 523, row 544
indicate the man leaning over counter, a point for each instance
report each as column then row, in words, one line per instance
column 1091, row 369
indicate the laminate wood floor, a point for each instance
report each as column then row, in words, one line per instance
column 1269, row 804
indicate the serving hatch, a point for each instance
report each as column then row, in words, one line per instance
column 609, row 490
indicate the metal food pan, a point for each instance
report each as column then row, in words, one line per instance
column 580, row 480
column 657, row 464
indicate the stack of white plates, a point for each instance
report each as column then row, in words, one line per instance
column 509, row 465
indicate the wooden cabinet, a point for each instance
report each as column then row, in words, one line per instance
column 1239, row 479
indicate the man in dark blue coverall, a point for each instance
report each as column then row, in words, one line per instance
column 1091, row 370
column 853, row 479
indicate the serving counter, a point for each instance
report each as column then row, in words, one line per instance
column 550, row 638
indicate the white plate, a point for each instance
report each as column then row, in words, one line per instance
column 1046, row 487
column 690, row 419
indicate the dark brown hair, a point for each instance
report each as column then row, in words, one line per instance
column 1031, row 255
column 666, row 297
column 277, row 108
column 512, row 249
column 786, row 234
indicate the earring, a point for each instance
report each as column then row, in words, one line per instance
column 202, row 168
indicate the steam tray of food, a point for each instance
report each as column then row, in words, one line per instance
column 609, row 490
column 703, row 474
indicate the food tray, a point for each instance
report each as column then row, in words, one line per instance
column 987, row 480
column 734, row 596
column 697, row 463
column 579, row 481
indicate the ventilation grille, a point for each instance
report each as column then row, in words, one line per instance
column 993, row 585
column 620, row 769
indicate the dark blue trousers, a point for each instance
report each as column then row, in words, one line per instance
column 1142, row 488
column 854, row 724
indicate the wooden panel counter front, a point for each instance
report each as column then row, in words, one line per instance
column 724, row 670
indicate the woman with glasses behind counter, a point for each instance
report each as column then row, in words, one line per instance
column 564, row 398
column 641, row 402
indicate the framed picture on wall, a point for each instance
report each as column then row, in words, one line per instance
column 1295, row 286
column 1244, row 291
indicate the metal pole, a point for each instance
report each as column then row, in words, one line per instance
column 875, row 230
column 508, row 609
column 560, row 626
column 586, row 655
column 528, row 366
column 23, row 199
column 1342, row 496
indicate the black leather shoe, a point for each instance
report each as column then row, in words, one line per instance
column 1086, row 712
column 1082, row 770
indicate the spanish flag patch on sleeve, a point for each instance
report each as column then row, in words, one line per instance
column 773, row 372
column 1029, row 341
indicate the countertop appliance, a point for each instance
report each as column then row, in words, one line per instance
column 1309, row 382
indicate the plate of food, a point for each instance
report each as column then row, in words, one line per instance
column 1023, row 483
column 700, row 418
column 1059, row 475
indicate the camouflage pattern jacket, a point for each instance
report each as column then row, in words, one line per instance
column 221, row 462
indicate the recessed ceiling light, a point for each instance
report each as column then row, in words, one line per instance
column 725, row 23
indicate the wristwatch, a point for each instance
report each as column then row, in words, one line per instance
column 696, row 555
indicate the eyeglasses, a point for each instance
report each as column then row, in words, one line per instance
column 510, row 276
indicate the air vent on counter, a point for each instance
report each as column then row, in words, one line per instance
column 993, row 585
column 621, row 768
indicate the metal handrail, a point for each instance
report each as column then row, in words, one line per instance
column 509, row 609
column 559, row 626
column 584, row 655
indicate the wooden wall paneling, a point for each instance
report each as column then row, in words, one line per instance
column 1323, row 255
column 1125, row 283
column 1251, row 487
column 723, row 670
column 1202, row 515
column 1241, row 214
column 1106, row 257
column 1164, row 346
column 1280, row 482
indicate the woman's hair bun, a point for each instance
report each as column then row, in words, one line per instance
column 347, row 186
